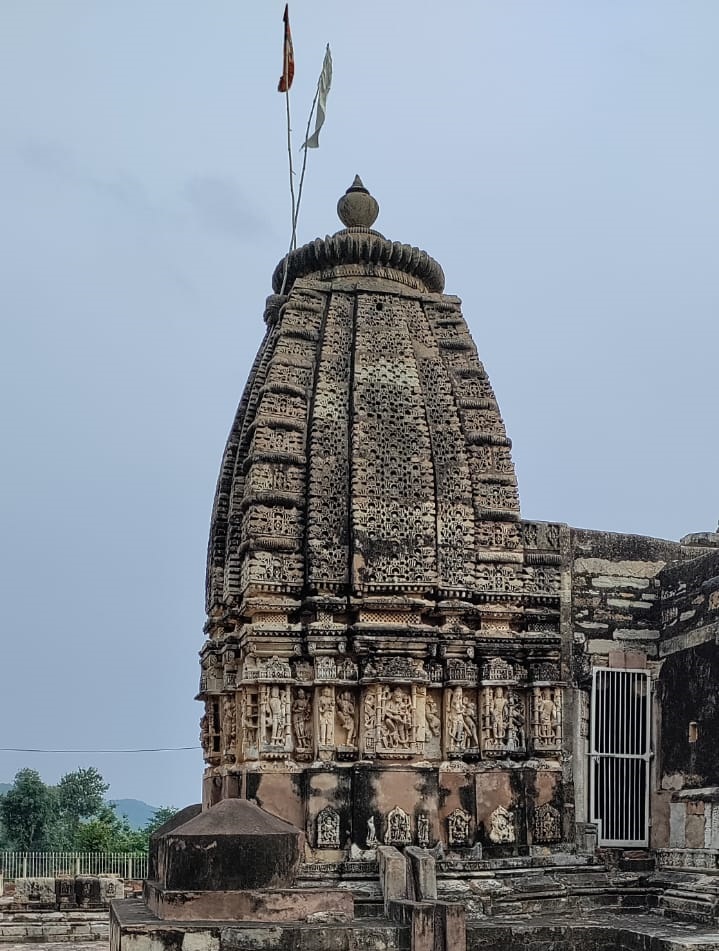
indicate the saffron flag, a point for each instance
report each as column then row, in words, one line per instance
column 288, row 57
column 323, row 87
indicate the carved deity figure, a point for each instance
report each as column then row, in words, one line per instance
column 370, row 711
column 396, row 722
column 276, row 716
column 515, row 725
column 546, row 718
column 547, row 824
column 346, row 716
column 371, row 833
column 547, row 715
column 458, row 827
column 326, row 711
column 250, row 717
column 423, row 831
column 501, row 826
column 229, row 734
column 462, row 721
column 328, row 829
column 432, row 717
column 399, row 830
column 499, row 716
column 301, row 716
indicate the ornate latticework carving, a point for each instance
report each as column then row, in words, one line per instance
column 367, row 488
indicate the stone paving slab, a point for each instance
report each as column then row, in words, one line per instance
column 55, row 945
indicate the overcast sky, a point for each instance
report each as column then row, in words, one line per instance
column 558, row 157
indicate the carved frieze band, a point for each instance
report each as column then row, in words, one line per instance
column 392, row 708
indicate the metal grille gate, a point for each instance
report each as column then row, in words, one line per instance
column 619, row 756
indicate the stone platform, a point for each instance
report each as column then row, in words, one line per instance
column 133, row 926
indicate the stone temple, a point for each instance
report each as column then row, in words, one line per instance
column 422, row 713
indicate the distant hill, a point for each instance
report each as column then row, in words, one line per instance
column 138, row 812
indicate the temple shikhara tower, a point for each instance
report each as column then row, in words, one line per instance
column 422, row 712
column 384, row 659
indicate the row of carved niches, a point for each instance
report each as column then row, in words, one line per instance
column 382, row 721
column 283, row 570
column 398, row 828
column 225, row 672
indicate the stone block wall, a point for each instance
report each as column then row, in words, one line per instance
column 615, row 595
column 689, row 677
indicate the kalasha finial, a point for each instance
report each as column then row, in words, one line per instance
column 357, row 208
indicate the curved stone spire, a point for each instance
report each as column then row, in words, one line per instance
column 371, row 591
column 368, row 455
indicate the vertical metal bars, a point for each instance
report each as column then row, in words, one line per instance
column 619, row 756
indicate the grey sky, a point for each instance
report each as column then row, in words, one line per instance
column 557, row 157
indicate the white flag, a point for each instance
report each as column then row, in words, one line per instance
column 313, row 142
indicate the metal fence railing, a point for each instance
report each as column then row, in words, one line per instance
column 127, row 865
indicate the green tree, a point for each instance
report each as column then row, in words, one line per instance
column 108, row 832
column 28, row 812
column 81, row 794
column 159, row 818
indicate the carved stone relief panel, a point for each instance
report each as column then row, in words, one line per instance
column 503, row 721
column 398, row 828
column 461, row 722
column 501, row 826
column 346, row 722
column 458, row 828
column 229, row 729
column 393, row 487
column 275, row 709
column 546, row 722
column 280, row 479
column 369, row 722
column 214, row 674
column 546, row 824
column 433, row 724
column 499, row 577
column 498, row 496
column 395, row 722
column 502, row 535
column 461, row 671
column 250, row 722
column 274, row 669
column 328, row 829
column 271, row 569
column 328, row 478
column 498, row 669
column 326, row 712
column 541, row 535
column 284, row 525
column 423, row 831
column 584, row 714
column 302, row 723
column 394, row 668
column 455, row 520
column 229, row 671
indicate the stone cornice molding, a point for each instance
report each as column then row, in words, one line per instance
column 359, row 246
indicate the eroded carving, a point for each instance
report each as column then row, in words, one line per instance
column 328, row 829
column 546, row 824
column 399, row 829
column 458, row 828
column 501, row 826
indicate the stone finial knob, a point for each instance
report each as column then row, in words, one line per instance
column 357, row 208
